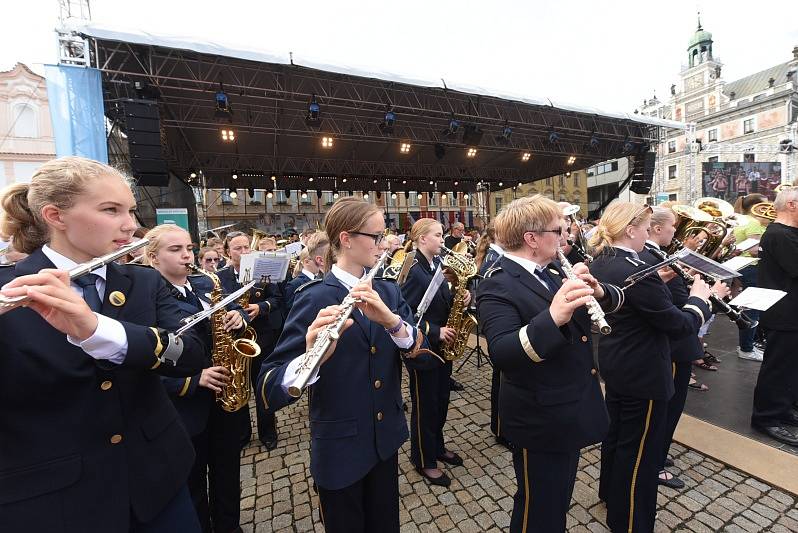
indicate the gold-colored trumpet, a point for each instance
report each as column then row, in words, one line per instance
column 764, row 210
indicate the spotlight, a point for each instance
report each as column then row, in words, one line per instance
column 304, row 195
column 343, row 180
column 335, row 195
column 223, row 109
column 501, row 184
column 594, row 142
column 628, row 146
column 404, row 182
column 375, row 181
column 228, row 135
column 407, row 195
column 431, row 182
column 390, row 119
column 251, row 192
column 326, row 142
column 526, row 157
column 554, row 137
column 507, row 132
column 310, row 179
column 472, row 152
column 465, row 196
column 571, row 160
column 235, row 175
column 269, row 195
column 440, row 150
column 192, row 175
column 393, row 196
column 365, row 196
column 233, row 192
column 454, row 125
column 456, row 183
column 314, row 111
column 568, row 174
column 420, row 196
column 405, row 148
column 287, row 193
column 274, row 178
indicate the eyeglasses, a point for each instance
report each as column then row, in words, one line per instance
column 558, row 231
column 378, row 237
column 211, row 260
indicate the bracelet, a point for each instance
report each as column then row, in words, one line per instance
column 396, row 328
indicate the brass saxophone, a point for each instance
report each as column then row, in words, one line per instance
column 249, row 331
column 233, row 354
column 464, row 267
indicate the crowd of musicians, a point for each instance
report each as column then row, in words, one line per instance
column 126, row 389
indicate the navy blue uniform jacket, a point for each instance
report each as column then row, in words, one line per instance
column 59, row 469
column 418, row 279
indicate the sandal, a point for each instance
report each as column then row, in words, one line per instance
column 710, row 358
column 672, row 482
column 705, row 366
column 700, row 387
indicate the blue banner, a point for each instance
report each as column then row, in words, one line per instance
column 76, row 110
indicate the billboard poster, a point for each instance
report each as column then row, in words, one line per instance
column 728, row 181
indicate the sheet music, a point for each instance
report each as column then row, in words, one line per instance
column 738, row 263
column 429, row 294
column 758, row 298
column 747, row 244
column 705, row 265
column 270, row 265
column 402, row 238
column 293, row 248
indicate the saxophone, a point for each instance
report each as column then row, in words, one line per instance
column 233, row 354
column 464, row 268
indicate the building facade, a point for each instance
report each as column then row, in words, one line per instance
column 25, row 122
column 750, row 120
column 571, row 187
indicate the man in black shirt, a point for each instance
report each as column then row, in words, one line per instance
column 455, row 236
column 775, row 392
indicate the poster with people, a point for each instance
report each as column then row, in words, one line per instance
column 728, row 181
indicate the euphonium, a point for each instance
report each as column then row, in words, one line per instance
column 464, row 268
column 233, row 354
column 689, row 222
column 764, row 210
column 257, row 235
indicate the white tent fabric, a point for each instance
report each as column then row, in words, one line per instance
column 195, row 44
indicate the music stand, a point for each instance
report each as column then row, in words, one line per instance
column 480, row 353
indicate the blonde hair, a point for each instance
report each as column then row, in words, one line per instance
column 618, row 216
column 316, row 243
column 206, row 250
column 346, row 214
column 523, row 215
column 421, row 227
column 660, row 215
column 155, row 235
column 300, row 262
column 58, row 182
column 483, row 245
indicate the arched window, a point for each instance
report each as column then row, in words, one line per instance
column 25, row 121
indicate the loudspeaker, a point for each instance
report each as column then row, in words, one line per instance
column 143, row 129
column 643, row 173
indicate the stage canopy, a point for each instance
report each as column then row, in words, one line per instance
column 283, row 108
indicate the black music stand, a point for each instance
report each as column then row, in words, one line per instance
column 480, row 353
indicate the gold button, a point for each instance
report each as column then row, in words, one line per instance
column 584, row 338
column 373, row 349
column 377, row 384
column 116, row 439
column 592, row 371
column 105, row 385
column 379, row 415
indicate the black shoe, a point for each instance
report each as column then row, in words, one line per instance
column 791, row 418
column 668, row 461
column 442, row 481
column 269, row 441
column 779, row 433
column 674, row 482
column 454, row 461
column 504, row 442
column 456, row 385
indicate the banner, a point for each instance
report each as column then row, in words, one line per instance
column 177, row 216
column 76, row 111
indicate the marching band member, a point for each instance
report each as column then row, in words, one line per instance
column 90, row 441
column 684, row 350
column 218, row 244
column 357, row 423
column 214, row 431
column 266, row 316
column 429, row 389
column 311, row 259
column 636, row 366
column 538, row 334
column 208, row 259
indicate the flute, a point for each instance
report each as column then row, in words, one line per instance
column 593, row 308
column 311, row 361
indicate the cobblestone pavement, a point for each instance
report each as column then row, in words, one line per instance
column 277, row 493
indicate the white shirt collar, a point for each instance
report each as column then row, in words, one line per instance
column 346, row 279
column 496, row 247
column 530, row 266
column 309, row 274
column 183, row 288
column 655, row 245
column 62, row 262
column 625, row 249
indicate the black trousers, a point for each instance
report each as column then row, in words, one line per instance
column 214, row 478
column 630, row 460
column 429, row 394
column 368, row 505
column 495, row 385
column 681, row 382
column 777, row 385
column 545, row 484
column 265, row 421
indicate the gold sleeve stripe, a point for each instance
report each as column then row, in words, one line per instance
column 527, row 346
column 696, row 310
column 158, row 348
column 184, row 390
column 263, row 388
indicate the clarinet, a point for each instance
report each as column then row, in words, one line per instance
column 580, row 251
column 593, row 307
column 735, row 315
column 311, row 361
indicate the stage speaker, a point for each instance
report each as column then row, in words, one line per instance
column 143, row 129
column 643, row 173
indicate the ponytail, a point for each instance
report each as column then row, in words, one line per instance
column 18, row 223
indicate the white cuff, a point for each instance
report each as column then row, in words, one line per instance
column 289, row 377
column 404, row 342
column 108, row 342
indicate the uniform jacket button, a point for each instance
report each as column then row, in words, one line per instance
column 377, row 384
column 592, row 371
column 373, row 349
column 105, row 385
column 584, row 338
column 379, row 416
column 116, row 439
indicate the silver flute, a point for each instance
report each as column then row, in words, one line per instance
column 593, row 308
column 6, row 303
column 312, row 359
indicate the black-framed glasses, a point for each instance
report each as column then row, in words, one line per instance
column 558, row 231
column 378, row 237
column 210, row 259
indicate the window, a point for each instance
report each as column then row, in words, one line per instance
column 307, row 199
column 562, row 181
column 712, row 135
column 749, row 158
column 257, row 198
column 548, row 181
column 604, row 168
column 280, row 197
column 327, row 197
column 25, row 121
column 499, row 203
column 713, row 159
column 433, row 200
column 389, row 199
column 672, row 172
column 576, row 180
column 748, row 126
column 226, row 198
column 673, row 197
column 671, row 147
column 470, row 200
column 413, row 200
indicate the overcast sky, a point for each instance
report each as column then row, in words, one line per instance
column 608, row 54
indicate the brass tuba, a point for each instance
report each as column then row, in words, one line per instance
column 257, row 235
column 233, row 354
column 464, row 268
column 764, row 210
column 691, row 221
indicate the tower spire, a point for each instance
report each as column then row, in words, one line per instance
column 699, row 22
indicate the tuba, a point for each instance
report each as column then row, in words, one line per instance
column 234, row 354
column 464, row 268
column 691, row 221
column 764, row 210
column 257, row 235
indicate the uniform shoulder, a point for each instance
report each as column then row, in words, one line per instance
column 307, row 285
column 492, row 272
